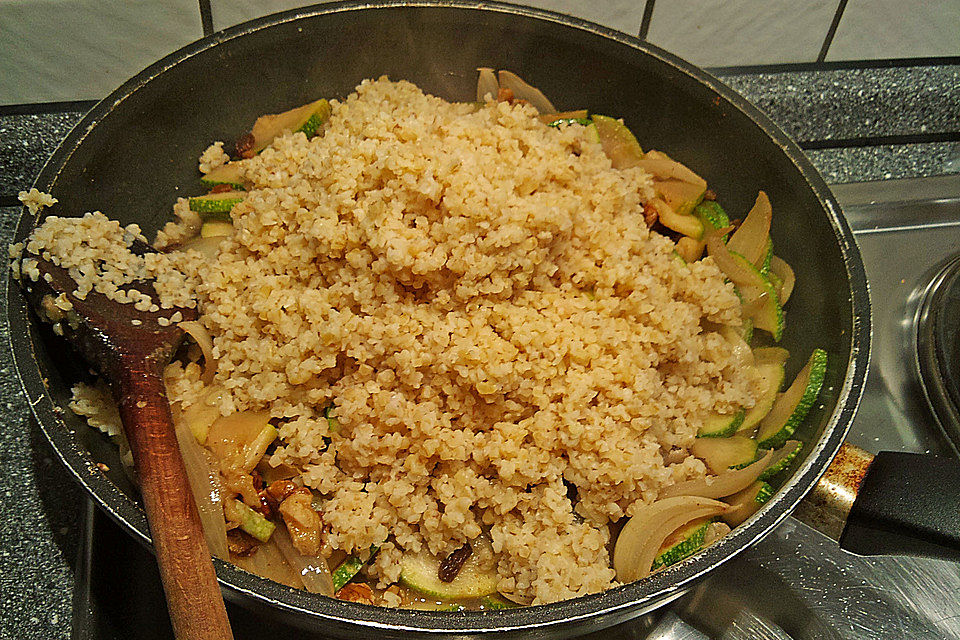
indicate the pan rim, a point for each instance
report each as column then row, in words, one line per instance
column 614, row 604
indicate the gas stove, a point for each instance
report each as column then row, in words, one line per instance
column 796, row 584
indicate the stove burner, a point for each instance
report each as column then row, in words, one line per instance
column 938, row 347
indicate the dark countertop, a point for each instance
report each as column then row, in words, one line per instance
column 856, row 124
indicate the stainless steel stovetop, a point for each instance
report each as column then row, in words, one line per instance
column 796, row 584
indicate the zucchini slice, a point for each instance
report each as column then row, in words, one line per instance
column 419, row 571
column 307, row 119
column 554, row 118
column 747, row 502
column 252, row 522
column 771, row 374
column 791, row 406
column 764, row 264
column 718, row 425
column 682, row 543
column 496, row 603
column 218, row 205
column 782, row 458
column 688, row 225
column 760, row 302
column 349, row 568
column 618, row 142
column 583, row 122
column 216, row 229
column 683, row 197
column 228, row 174
column 711, row 213
column 722, row 454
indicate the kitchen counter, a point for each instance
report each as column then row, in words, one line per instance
column 856, row 124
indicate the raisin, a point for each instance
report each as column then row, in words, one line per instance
column 244, row 146
column 650, row 215
column 452, row 564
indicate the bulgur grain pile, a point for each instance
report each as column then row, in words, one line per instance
column 508, row 348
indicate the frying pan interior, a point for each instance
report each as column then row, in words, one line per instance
column 136, row 152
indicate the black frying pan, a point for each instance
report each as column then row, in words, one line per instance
column 136, row 151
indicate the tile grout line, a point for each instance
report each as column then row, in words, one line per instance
column 645, row 21
column 831, row 31
column 206, row 17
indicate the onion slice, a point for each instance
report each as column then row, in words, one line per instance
column 523, row 91
column 663, row 168
column 313, row 571
column 738, row 274
column 200, row 334
column 487, row 84
column 722, row 485
column 204, row 480
column 741, row 350
column 267, row 562
column 750, row 240
column 785, row 273
column 642, row 536
column 208, row 247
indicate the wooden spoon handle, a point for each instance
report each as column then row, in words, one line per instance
column 186, row 570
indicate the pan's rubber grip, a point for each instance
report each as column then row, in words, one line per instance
column 908, row 504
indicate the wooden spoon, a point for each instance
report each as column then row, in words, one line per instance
column 130, row 349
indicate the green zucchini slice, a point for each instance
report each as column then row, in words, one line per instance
column 682, row 543
column 760, row 302
column 712, row 214
column 584, row 122
column 228, row 174
column 719, row 425
column 496, row 603
column 791, row 406
column 782, row 458
column 576, row 116
column 771, row 374
column 216, row 229
column 349, row 568
column 251, row 521
column 722, row 454
column 218, row 205
column 618, row 142
column 306, row 119
column 688, row 225
column 683, row 197
column 764, row 264
column 419, row 571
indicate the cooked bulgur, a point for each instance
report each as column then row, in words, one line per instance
column 509, row 349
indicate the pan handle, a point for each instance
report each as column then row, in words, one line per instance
column 894, row 503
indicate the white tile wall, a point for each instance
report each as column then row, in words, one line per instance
column 624, row 15
column 56, row 50
column 713, row 33
column 897, row 29
column 227, row 13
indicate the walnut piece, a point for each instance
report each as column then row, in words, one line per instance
column 356, row 592
column 302, row 521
